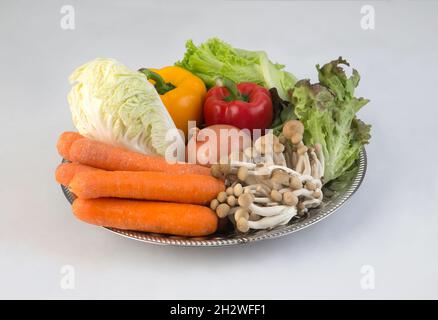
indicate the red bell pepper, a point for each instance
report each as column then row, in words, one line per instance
column 246, row 106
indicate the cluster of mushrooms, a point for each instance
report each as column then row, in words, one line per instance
column 268, row 184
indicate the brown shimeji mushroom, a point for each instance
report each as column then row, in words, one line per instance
column 262, row 191
column 293, row 130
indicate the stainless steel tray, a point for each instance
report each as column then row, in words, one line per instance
column 329, row 205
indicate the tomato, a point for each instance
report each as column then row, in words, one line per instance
column 216, row 142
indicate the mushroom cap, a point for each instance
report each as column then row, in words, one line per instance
column 242, row 173
column 317, row 193
column 242, row 225
column 237, row 190
column 231, row 201
column 281, row 177
column 292, row 127
column 282, row 139
column 225, row 168
column 290, row 199
column 296, row 138
column 222, row 196
column 276, row 196
column 302, row 150
column 310, row 186
column 245, row 200
column 216, row 171
column 241, row 213
column 295, row 183
column 214, row 204
column 222, row 210
column 278, row 147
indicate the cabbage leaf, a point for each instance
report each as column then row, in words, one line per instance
column 116, row 105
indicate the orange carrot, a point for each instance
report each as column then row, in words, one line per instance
column 157, row 217
column 65, row 141
column 100, row 155
column 66, row 171
column 147, row 185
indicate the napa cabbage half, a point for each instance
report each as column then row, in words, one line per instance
column 113, row 104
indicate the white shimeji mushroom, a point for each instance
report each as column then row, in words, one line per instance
column 284, row 217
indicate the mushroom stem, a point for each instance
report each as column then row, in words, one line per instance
column 254, row 217
column 312, row 203
column 271, row 204
column 269, row 159
column 250, row 153
column 303, row 192
column 316, row 165
column 317, row 194
column 279, row 159
column 307, row 168
column 284, row 168
column 306, row 178
column 288, row 158
column 272, row 221
column 248, row 165
column 294, row 159
column 262, row 200
column 266, row 211
column 259, row 187
column 300, row 164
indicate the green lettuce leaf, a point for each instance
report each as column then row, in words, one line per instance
column 328, row 111
column 215, row 58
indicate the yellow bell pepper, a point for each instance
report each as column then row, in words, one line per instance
column 181, row 92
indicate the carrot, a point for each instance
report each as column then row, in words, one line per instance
column 100, row 155
column 66, row 171
column 157, row 217
column 147, row 185
column 65, row 141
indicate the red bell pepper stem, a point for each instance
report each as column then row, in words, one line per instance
column 232, row 89
column 160, row 85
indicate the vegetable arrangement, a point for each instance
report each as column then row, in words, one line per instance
column 260, row 154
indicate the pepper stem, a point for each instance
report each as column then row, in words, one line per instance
column 160, row 85
column 231, row 87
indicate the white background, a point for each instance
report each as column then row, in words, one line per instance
column 390, row 224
